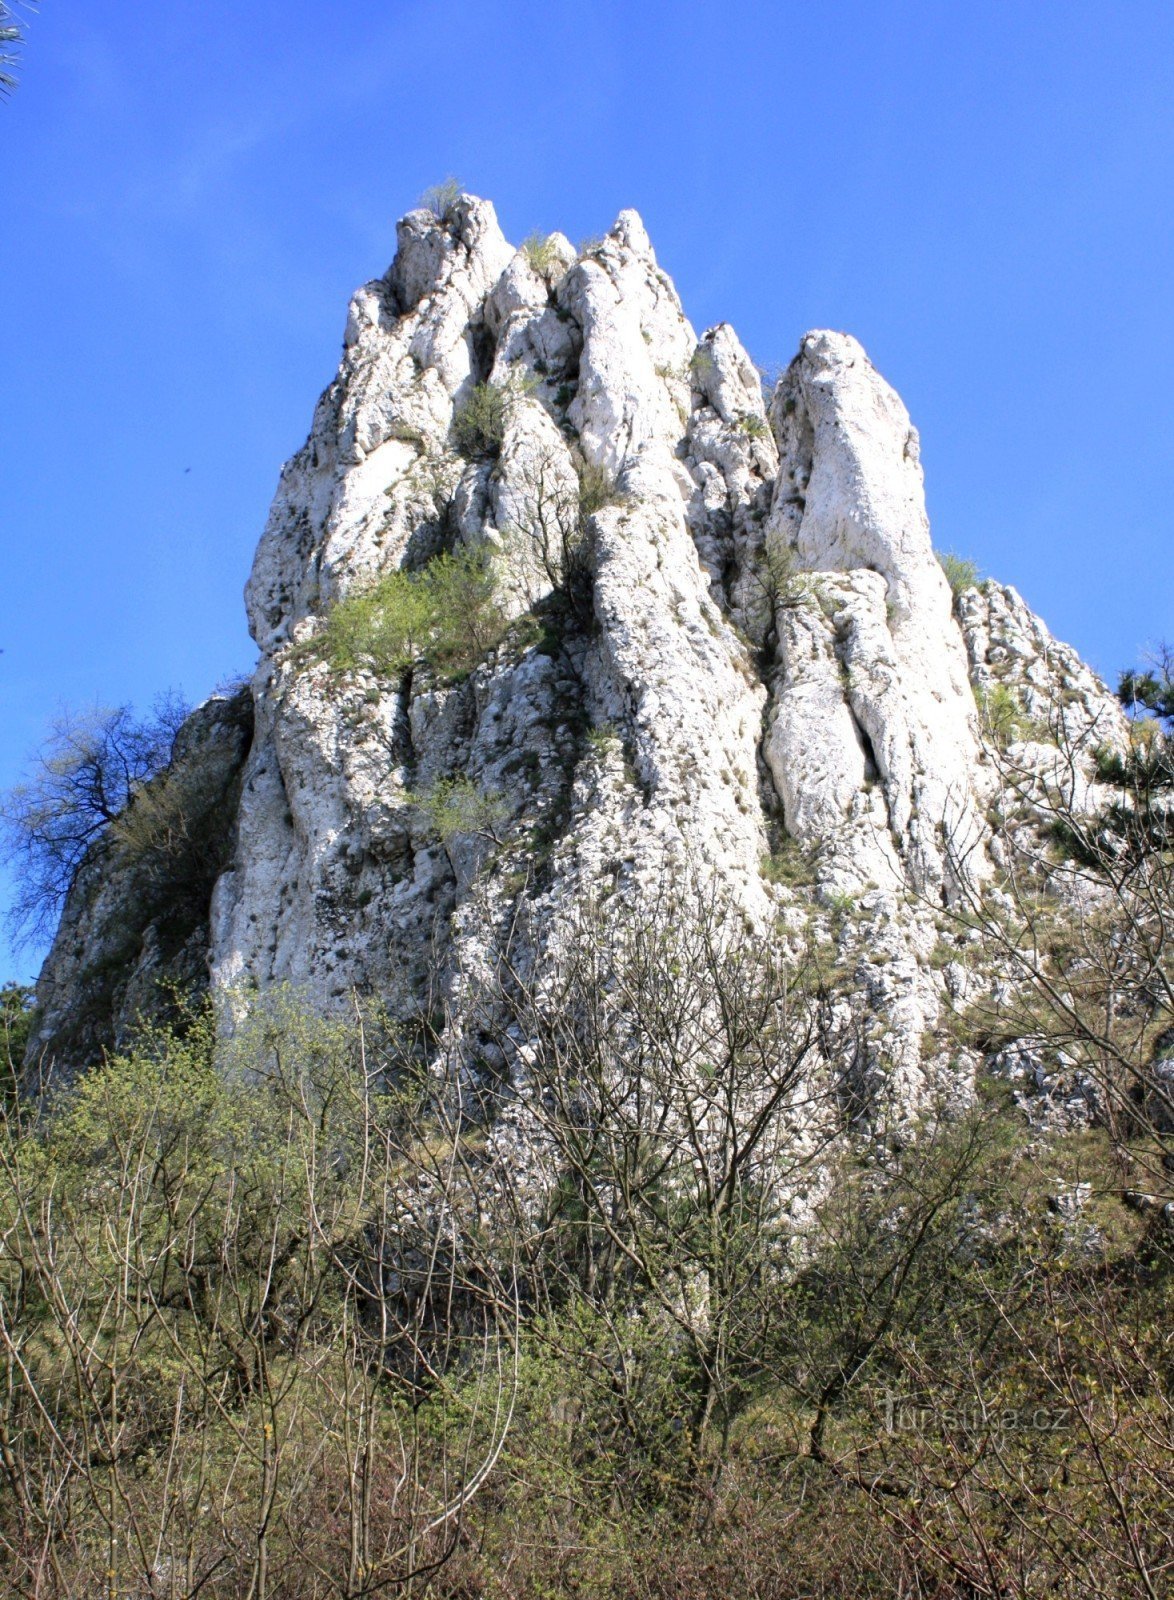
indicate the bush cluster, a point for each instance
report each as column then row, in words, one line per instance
column 263, row 1321
column 457, row 806
column 478, row 426
column 440, row 198
column 446, row 613
column 1002, row 715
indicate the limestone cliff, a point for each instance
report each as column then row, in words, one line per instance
column 729, row 639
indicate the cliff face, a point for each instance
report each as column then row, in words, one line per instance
column 133, row 938
column 731, row 640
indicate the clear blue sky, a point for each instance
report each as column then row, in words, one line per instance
column 981, row 193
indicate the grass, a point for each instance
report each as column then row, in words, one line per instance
column 439, row 198
column 542, row 253
column 961, row 574
column 478, row 426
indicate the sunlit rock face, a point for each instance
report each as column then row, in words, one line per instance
column 755, row 655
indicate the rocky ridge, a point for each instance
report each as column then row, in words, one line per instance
column 757, row 660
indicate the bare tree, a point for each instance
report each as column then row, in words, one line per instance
column 248, row 1345
column 1075, row 936
column 79, row 783
column 672, row 1103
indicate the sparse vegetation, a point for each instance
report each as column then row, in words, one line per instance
column 445, row 613
column 551, row 534
column 781, row 576
column 1003, row 717
column 597, row 488
column 478, row 426
column 605, row 736
column 961, row 574
column 479, row 423
column 440, row 198
column 541, row 252
column 789, row 864
column 754, row 426
column 458, row 806
column 701, row 365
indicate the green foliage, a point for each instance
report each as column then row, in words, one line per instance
column 11, row 38
column 1002, row 715
column 440, row 198
column 960, row 573
column 701, row 364
column 16, row 1020
column 542, row 253
column 784, row 581
column 1135, row 830
column 1150, row 692
column 597, row 489
column 457, row 806
column 446, row 613
column 754, row 426
column 478, row 425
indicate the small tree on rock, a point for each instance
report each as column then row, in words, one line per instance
column 81, row 780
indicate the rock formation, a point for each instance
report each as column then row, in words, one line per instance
column 729, row 639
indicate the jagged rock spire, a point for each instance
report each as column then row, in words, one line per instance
column 761, row 646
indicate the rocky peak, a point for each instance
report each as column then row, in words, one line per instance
column 722, row 634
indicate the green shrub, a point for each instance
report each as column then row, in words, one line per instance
column 784, row 580
column 1002, row 715
column 960, row 573
column 447, row 613
column 701, row 364
column 479, row 423
column 755, row 427
column 457, row 806
column 597, row 488
column 541, row 252
column 440, row 198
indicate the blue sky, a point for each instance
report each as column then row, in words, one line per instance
column 980, row 193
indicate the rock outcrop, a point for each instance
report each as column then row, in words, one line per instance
column 724, row 637
column 133, row 939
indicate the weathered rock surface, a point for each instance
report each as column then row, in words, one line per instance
column 758, row 653
column 134, row 930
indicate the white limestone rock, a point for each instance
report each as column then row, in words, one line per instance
column 749, row 639
column 849, row 498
